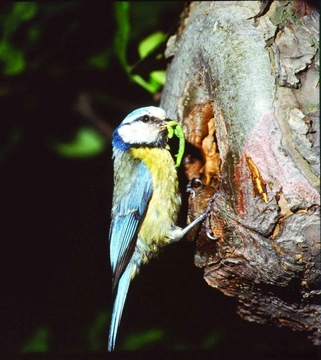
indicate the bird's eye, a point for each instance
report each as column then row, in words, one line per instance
column 145, row 118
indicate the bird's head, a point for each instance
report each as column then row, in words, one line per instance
column 143, row 127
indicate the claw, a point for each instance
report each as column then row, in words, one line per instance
column 190, row 190
column 209, row 232
column 197, row 180
column 194, row 183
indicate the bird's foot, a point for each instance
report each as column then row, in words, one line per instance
column 192, row 184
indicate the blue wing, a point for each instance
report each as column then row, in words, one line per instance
column 130, row 204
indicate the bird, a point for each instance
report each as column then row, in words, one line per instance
column 146, row 201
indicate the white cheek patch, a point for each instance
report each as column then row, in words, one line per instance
column 138, row 132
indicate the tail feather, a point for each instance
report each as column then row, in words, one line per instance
column 119, row 302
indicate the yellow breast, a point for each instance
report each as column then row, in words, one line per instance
column 165, row 201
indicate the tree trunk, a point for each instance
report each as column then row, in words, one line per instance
column 244, row 83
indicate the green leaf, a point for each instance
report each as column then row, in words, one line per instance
column 121, row 9
column 13, row 59
column 86, row 143
column 24, row 11
column 158, row 76
column 151, row 86
column 138, row 340
column 38, row 342
column 150, row 43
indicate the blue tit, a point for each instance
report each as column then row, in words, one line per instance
column 146, row 201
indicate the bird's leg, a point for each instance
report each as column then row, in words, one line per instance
column 177, row 233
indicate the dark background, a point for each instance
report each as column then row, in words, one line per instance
column 54, row 210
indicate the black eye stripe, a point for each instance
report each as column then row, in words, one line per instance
column 147, row 118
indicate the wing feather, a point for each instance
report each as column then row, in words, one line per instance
column 128, row 212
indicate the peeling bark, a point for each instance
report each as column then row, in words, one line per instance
column 244, row 83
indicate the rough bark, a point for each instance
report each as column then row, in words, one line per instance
column 243, row 81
